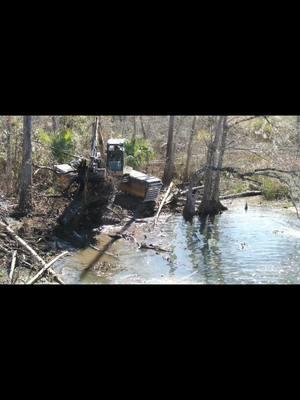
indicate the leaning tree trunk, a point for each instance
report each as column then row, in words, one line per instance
column 186, row 174
column 170, row 166
column 25, row 199
column 210, row 204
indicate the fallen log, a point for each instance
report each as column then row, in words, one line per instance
column 169, row 199
column 116, row 236
column 114, row 212
column 12, row 266
column 230, row 196
column 162, row 202
column 44, row 269
column 30, row 249
column 39, row 167
column 168, row 217
column 183, row 199
column 194, row 188
column 152, row 247
column 243, row 194
column 27, row 265
column 3, row 249
column 51, row 196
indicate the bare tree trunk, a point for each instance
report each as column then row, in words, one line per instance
column 191, row 197
column 124, row 127
column 170, row 166
column 8, row 157
column 298, row 130
column 189, row 206
column 134, row 130
column 101, row 140
column 210, row 204
column 16, row 148
column 15, row 162
column 94, row 138
column 54, row 123
column 143, row 128
column 186, row 174
column 25, row 199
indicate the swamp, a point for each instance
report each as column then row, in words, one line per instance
column 149, row 199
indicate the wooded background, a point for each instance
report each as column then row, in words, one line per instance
column 168, row 147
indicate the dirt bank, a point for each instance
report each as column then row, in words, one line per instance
column 58, row 223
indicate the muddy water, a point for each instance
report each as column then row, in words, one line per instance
column 260, row 246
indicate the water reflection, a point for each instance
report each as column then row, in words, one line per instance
column 203, row 243
column 260, row 246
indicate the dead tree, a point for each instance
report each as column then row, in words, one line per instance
column 210, row 204
column 189, row 151
column 25, row 196
column 143, row 128
column 170, row 166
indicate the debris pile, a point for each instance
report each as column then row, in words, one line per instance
column 22, row 253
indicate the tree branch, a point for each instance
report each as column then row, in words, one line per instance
column 248, row 150
column 243, row 120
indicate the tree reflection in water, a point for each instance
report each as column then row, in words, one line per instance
column 204, row 251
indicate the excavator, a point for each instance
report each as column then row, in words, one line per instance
column 132, row 182
column 98, row 170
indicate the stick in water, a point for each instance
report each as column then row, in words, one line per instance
column 162, row 202
column 12, row 267
column 40, row 273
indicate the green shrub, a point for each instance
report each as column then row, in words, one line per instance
column 268, row 129
column 273, row 190
column 240, row 187
column 62, row 145
column 203, row 136
column 257, row 125
column 138, row 153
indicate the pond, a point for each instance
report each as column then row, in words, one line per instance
column 258, row 246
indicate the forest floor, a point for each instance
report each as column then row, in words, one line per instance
column 36, row 229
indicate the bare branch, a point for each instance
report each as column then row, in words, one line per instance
column 247, row 150
column 243, row 120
